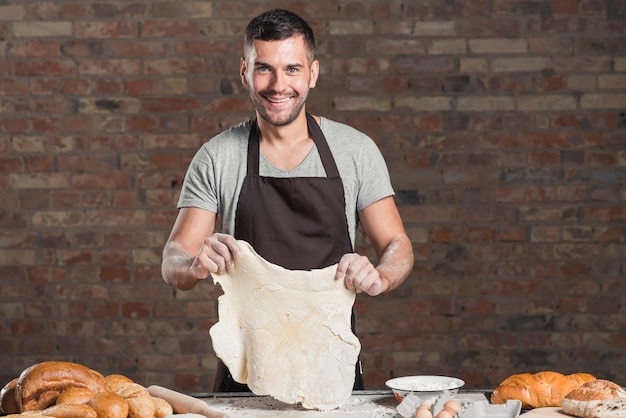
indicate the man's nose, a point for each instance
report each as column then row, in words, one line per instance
column 278, row 80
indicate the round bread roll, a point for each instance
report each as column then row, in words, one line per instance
column 580, row 401
column 75, row 396
column 162, row 407
column 39, row 386
column 543, row 389
column 7, row 396
column 109, row 405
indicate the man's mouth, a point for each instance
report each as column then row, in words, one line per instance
column 277, row 100
column 276, row 97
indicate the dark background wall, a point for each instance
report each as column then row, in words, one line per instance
column 503, row 123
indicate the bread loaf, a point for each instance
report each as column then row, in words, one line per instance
column 580, row 401
column 7, row 396
column 39, row 386
column 162, row 407
column 109, row 405
column 115, row 382
column 543, row 389
column 69, row 390
column 140, row 402
column 61, row 411
column 610, row 408
column 75, row 396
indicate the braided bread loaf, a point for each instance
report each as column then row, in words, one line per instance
column 60, row 389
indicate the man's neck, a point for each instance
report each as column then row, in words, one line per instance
column 285, row 147
column 285, row 135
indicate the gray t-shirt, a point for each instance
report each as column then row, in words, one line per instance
column 217, row 171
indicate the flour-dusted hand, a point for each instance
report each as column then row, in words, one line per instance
column 194, row 250
column 359, row 274
column 217, row 255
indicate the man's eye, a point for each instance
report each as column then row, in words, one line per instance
column 262, row 69
column 292, row 70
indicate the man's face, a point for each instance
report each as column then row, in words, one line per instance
column 279, row 76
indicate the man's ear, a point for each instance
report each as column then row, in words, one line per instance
column 315, row 72
column 243, row 68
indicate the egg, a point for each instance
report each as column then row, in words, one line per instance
column 453, row 405
column 428, row 403
column 445, row 414
column 423, row 412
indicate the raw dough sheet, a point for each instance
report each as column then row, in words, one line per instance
column 286, row 333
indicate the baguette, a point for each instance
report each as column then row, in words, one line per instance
column 39, row 386
column 29, row 414
column 60, row 411
column 543, row 389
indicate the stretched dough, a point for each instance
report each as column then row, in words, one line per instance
column 286, row 333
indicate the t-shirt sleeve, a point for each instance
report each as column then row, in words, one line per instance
column 374, row 180
column 198, row 188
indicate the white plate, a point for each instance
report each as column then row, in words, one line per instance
column 424, row 383
column 423, row 386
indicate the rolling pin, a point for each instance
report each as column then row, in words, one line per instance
column 185, row 404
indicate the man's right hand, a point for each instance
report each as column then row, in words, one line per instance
column 194, row 250
column 217, row 255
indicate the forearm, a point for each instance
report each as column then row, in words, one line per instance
column 176, row 267
column 396, row 262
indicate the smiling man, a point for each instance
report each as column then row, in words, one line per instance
column 293, row 185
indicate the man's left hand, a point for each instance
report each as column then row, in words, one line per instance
column 360, row 274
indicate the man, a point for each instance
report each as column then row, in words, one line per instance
column 292, row 185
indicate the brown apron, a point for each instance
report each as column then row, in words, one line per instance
column 298, row 223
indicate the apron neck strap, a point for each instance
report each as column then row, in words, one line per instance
column 253, row 149
column 322, row 147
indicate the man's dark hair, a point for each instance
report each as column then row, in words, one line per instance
column 277, row 25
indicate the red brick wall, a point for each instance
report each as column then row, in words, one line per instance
column 503, row 123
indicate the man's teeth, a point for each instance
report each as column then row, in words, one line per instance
column 278, row 100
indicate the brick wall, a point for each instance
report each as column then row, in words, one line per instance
column 503, row 123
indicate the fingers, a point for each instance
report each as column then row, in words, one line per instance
column 217, row 255
column 202, row 266
column 359, row 274
column 229, row 241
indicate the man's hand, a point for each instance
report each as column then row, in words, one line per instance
column 217, row 255
column 360, row 274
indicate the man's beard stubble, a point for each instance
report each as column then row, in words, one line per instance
column 261, row 110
